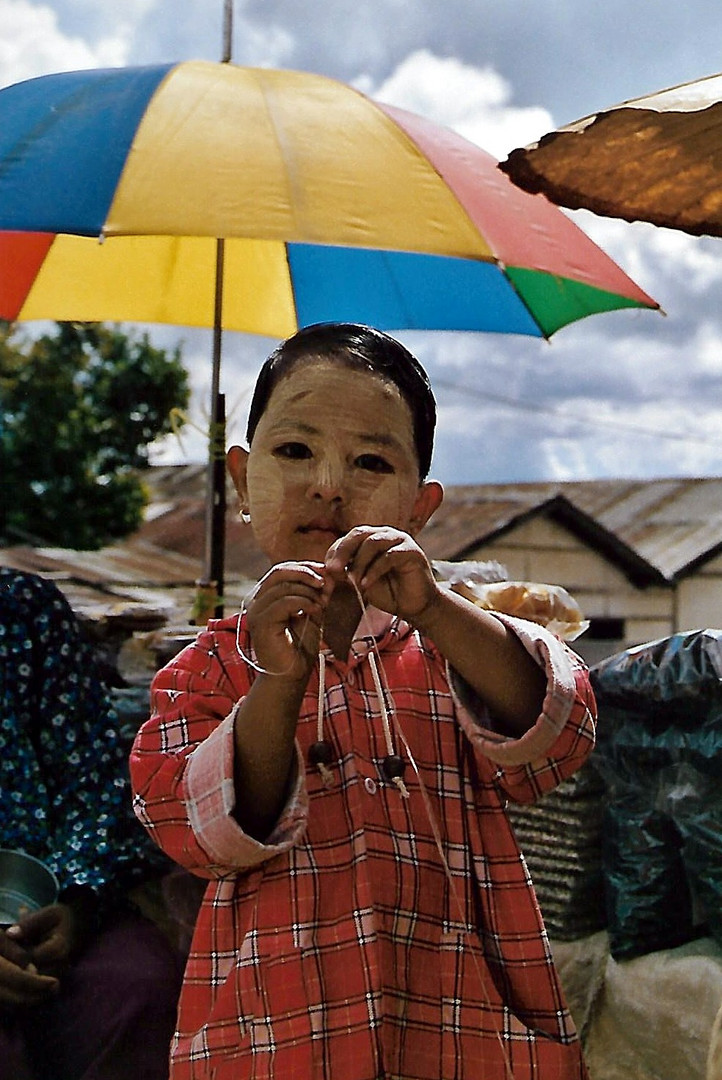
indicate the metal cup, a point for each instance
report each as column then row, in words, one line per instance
column 26, row 884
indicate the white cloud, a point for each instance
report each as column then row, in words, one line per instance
column 262, row 47
column 473, row 101
column 33, row 44
column 709, row 352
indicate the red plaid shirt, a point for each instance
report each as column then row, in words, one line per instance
column 343, row 948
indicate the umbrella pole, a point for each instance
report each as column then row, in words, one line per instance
column 227, row 31
column 209, row 594
column 209, row 598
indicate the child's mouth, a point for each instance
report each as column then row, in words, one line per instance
column 321, row 528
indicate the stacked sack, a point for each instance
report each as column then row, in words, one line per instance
column 659, row 752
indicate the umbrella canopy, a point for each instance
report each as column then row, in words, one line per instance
column 264, row 200
column 332, row 207
column 656, row 159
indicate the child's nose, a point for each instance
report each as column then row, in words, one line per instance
column 327, row 481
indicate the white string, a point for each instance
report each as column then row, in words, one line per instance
column 251, row 663
column 397, row 780
column 326, row 774
column 321, row 690
column 382, row 704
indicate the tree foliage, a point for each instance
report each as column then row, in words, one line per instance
column 79, row 408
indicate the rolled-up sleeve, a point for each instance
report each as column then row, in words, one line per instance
column 182, row 768
column 211, row 799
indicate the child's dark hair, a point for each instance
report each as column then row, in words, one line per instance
column 360, row 347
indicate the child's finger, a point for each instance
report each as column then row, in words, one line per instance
column 372, row 557
column 343, row 556
column 342, row 552
column 280, row 603
column 388, row 567
column 289, row 580
column 280, row 608
column 311, row 574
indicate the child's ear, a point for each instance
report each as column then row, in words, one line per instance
column 237, row 463
column 428, row 501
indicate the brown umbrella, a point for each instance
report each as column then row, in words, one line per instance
column 655, row 158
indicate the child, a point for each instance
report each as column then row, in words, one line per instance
column 336, row 760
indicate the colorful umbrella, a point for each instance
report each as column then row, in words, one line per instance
column 263, row 200
column 655, row 158
column 332, row 206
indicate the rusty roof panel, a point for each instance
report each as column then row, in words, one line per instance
column 673, row 525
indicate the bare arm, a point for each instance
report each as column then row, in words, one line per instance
column 488, row 657
column 284, row 619
column 265, row 729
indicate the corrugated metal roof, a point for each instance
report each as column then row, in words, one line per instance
column 673, row 525
column 656, row 529
column 156, row 568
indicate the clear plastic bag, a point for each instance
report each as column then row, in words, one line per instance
column 548, row 605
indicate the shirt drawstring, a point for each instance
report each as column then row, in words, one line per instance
column 320, row 752
column 393, row 765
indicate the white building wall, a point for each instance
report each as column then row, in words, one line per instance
column 543, row 550
column 700, row 602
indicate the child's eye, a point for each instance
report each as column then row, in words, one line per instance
column 373, row 463
column 296, row 451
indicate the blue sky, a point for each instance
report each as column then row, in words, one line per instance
column 627, row 394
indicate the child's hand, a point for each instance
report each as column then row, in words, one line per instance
column 389, row 568
column 285, row 614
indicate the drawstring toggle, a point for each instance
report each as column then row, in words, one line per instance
column 392, row 767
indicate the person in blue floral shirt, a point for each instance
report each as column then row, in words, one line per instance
column 88, row 988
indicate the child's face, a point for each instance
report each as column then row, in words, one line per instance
column 333, row 449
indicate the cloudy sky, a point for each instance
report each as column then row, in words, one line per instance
column 625, row 394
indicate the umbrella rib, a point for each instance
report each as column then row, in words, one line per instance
column 292, row 283
column 282, row 144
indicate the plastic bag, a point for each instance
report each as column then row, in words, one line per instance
column 548, row 605
column 659, row 751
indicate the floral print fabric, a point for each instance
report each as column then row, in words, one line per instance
column 64, row 788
